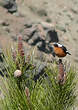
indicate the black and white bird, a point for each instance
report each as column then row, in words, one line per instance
column 58, row 50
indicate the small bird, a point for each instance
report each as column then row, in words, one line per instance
column 58, row 50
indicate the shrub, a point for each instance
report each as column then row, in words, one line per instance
column 20, row 92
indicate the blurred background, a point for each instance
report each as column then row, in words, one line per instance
column 39, row 22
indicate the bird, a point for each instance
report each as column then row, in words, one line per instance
column 58, row 49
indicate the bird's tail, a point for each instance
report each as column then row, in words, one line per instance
column 68, row 53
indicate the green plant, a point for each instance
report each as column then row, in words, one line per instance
column 14, row 85
column 22, row 93
column 46, row 94
column 50, row 95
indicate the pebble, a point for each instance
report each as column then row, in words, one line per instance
column 61, row 28
column 74, row 10
column 4, row 23
column 10, row 5
column 30, row 42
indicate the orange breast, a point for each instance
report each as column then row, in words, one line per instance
column 59, row 52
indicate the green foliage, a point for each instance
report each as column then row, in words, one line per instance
column 14, row 99
column 46, row 94
column 14, row 90
column 49, row 95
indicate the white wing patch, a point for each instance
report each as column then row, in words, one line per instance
column 59, row 45
column 67, row 51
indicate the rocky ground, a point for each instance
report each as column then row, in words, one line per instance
column 58, row 19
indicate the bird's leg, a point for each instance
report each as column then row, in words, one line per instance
column 60, row 61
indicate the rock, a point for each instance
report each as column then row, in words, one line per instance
column 48, row 20
column 74, row 10
column 30, row 31
column 61, row 27
column 42, row 12
column 7, row 29
column 10, row 5
column 46, row 25
column 41, row 46
column 70, row 15
column 52, row 36
column 30, row 42
column 41, row 31
column 14, row 37
column 25, row 38
column 40, row 34
column 40, row 72
column 4, row 23
column 35, row 38
column 13, row 9
column 28, row 25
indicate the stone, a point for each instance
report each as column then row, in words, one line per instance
column 42, row 12
column 28, row 25
column 4, row 23
column 7, row 29
column 40, row 72
column 46, row 25
column 40, row 34
column 52, row 36
column 14, row 38
column 36, row 38
column 30, row 42
column 10, row 5
column 48, row 20
column 41, row 46
column 30, row 31
column 61, row 27
column 74, row 10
